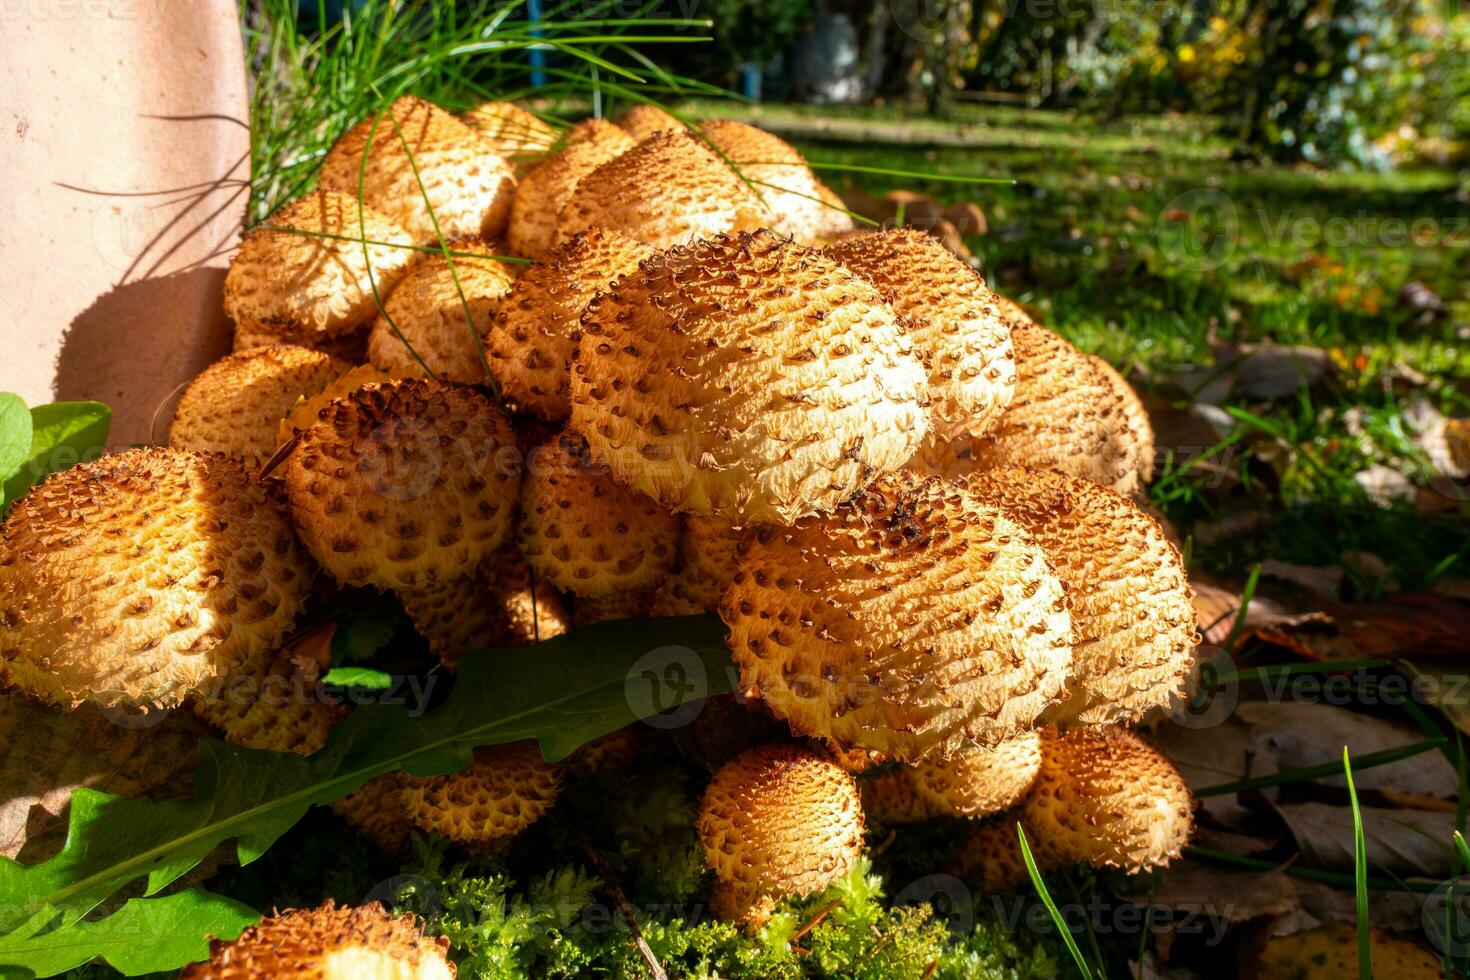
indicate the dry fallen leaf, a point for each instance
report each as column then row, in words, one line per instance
column 1400, row 841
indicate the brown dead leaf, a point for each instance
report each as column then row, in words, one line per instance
column 1400, row 841
column 1268, row 370
column 1407, row 624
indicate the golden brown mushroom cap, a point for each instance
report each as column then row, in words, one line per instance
column 510, row 129
column 991, row 856
column 799, row 204
column 597, row 130
column 142, row 577
column 747, row 378
column 505, row 790
column 779, row 821
column 235, row 405
column 707, row 563
column 1132, row 608
column 306, row 285
column 1136, row 417
column 912, row 619
column 376, row 811
column 305, row 410
column 590, row 609
column 427, row 308
column 667, row 190
column 403, row 485
column 496, row 606
column 955, row 325
column 1106, row 797
column 546, row 188
column 1065, row 415
column 275, row 701
column 644, row 120
column 468, row 184
column 329, row 943
column 586, row 533
column 535, row 334
column 974, row 782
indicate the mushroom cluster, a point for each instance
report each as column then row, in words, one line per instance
column 522, row 378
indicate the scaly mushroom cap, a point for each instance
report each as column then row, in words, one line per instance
column 586, row 533
column 608, row 753
column 235, row 405
column 349, row 347
column 912, row 619
column 748, row 378
column 1065, row 415
column 1132, row 608
column 376, row 811
column 305, row 410
column 546, row 188
column 780, row 821
column 428, row 311
column 1331, row 950
column 535, row 334
column 275, row 702
column 468, row 184
column 510, row 129
column 799, row 204
column 329, row 943
column 1013, row 312
column 306, row 285
column 991, row 856
column 707, row 561
column 497, row 606
column 955, row 326
column 401, row 485
column 972, row 783
column 1136, row 416
column 505, row 790
column 644, row 120
column 595, row 130
column 1106, row 797
column 667, row 190
column 142, row 577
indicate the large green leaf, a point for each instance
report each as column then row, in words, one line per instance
column 563, row 692
column 60, row 435
column 15, row 437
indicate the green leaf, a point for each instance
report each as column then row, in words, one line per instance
column 364, row 678
column 1064, row 930
column 15, row 437
column 62, row 434
column 128, row 938
column 365, row 625
column 563, row 692
column 1360, row 875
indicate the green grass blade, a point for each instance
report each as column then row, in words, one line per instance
column 1051, row 906
column 1369, row 761
column 1360, row 875
column 1246, row 596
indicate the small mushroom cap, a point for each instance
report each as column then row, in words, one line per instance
column 402, row 485
column 1132, row 607
column 535, row 333
column 546, row 188
column 645, row 120
column 514, row 132
column 329, row 943
column 667, row 190
column 497, row 606
column 707, row 562
column 467, row 183
column 142, row 577
column 799, row 203
column 235, row 405
column 781, row 820
column 1331, row 950
column 376, row 811
column 955, row 325
column 1106, row 797
column 748, row 378
column 505, row 790
column 305, row 285
column 596, row 130
column 913, row 619
column 1136, row 417
column 275, row 702
column 991, row 856
column 425, row 315
column 973, row 783
column 305, row 411
column 586, row 533
column 608, row 753
column 1065, row 415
